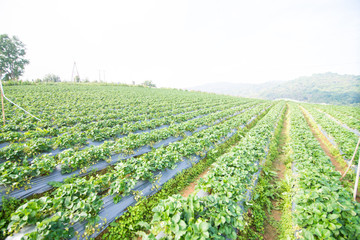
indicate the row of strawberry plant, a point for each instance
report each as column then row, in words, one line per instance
column 128, row 224
column 71, row 104
column 345, row 139
column 324, row 207
column 61, row 120
column 203, row 140
column 218, row 215
column 85, row 187
column 119, row 181
column 110, row 121
column 18, row 151
column 128, row 144
column 15, row 175
column 342, row 116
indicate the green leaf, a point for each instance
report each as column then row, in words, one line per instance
column 204, row 226
column 333, row 216
column 114, row 224
column 182, row 225
column 144, row 225
column 176, row 218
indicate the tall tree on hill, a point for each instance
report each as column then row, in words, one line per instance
column 12, row 57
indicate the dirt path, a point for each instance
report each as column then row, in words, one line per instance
column 191, row 188
column 270, row 230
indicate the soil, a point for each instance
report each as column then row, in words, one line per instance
column 270, row 231
column 191, row 188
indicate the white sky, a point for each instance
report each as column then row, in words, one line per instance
column 186, row 43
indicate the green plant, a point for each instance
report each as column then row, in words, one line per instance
column 9, row 205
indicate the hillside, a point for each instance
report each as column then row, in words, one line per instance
column 328, row 88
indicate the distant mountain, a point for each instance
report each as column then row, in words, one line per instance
column 236, row 89
column 328, row 88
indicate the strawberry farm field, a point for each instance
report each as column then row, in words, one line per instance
column 110, row 161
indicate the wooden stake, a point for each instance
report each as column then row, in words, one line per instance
column 2, row 105
column 357, row 179
column 352, row 159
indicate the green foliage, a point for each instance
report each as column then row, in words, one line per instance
column 9, row 205
column 12, row 61
column 51, row 78
column 127, row 225
column 259, row 205
column 345, row 139
column 221, row 184
column 54, row 227
column 264, row 191
column 345, row 114
column 70, row 202
column 197, row 218
column 14, row 174
column 330, row 88
column 69, row 126
column 324, row 208
column 148, row 83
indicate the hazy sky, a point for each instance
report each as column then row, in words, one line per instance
column 186, row 43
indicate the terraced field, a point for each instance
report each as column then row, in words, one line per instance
column 115, row 161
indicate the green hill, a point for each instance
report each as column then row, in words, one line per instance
column 330, row 88
column 319, row 88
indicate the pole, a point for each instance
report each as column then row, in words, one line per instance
column 357, row 179
column 2, row 105
column 2, row 99
column 72, row 73
column 352, row 159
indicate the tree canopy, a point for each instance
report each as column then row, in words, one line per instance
column 12, row 57
column 148, row 83
column 51, row 78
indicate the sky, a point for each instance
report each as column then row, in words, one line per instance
column 185, row 43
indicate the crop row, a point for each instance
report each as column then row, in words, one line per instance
column 107, row 122
column 346, row 114
column 15, row 174
column 220, row 214
column 60, row 105
column 40, row 144
column 54, row 119
column 346, row 119
column 192, row 149
column 81, row 198
column 324, row 208
column 345, row 139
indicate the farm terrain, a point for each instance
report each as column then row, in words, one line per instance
column 110, row 161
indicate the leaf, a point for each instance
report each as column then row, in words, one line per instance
column 176, row 218
column 114, row 224
column 68, row 203
column 179, row 234
column 182, row 225
column 15, row 218
column 333, row 216
column 204, row 226
column 144, row 225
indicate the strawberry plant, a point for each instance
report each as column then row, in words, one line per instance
column 324, row 208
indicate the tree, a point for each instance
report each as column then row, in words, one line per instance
column 51, row 78
column 148, row 83
column 12, row 61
